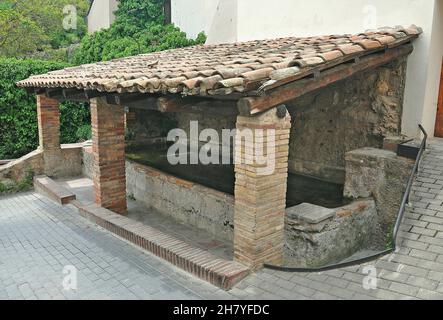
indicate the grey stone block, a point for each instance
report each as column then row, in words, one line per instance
column 310, row 213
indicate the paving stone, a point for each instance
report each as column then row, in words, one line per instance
column 415, row 244
column 424, row 231
column 435, row 226
column 435, row 275
column 48, row 237
column 416, row 223
column 404, row 288
column 423, row 254
column 337, row 282
column 436, row 249
column 429, row 295
column 411, row 270
column 393, row 276
column 420, row 282
column 43, row 222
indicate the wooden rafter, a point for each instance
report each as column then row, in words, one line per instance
column 290, row 91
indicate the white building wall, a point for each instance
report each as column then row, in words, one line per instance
column 241, row 20
column 217, row 18
column 101, row 14
column 434, row 59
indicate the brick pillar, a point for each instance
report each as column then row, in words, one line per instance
column 260, row 194
column 108, row 136
column 48, row 113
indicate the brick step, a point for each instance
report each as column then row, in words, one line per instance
column 48, row 187
column 200, row 263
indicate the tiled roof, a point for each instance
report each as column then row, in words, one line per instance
column 226, row 68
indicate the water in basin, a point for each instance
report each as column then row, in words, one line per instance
column 221, row 177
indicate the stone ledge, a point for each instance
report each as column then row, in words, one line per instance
column 202, row 264
column 310, row 213
column 380, row 174
column 391, row 143
column 342, row 232
column 53, row 190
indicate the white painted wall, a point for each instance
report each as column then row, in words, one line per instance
column 241, row 20
column 217, row 18
column 101, row 14
column 434, row 70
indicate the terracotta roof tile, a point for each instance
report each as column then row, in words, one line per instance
column 225, row 68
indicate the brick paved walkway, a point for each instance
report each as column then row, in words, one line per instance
column 38, row 238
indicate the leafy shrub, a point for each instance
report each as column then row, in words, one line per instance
column 18, row 112
column 3, row 188
column 29, row 27
column 84, row 133
column 138, row 28
column 21, row 186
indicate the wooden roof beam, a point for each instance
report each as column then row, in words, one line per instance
column 280, row 95
column 198, row 105
column 171, row 103
column 54, row 93
column 128, row 99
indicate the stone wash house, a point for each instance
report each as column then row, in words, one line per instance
column 230, row 21
column 334, row 103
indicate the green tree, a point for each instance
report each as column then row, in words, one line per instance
column 138, row 28
column 27, row 26
column 133, row 16
column 18, row 34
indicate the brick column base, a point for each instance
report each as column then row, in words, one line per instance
column 108, row 136
column 260, row 189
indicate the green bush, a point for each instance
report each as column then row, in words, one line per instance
column 34, row 27
column 84, row 132
column 20, row 186
column 18, row 112
column 138, row 28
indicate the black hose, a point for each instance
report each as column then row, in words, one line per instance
column 395, row 230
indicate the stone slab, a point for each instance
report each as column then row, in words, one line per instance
column 53, row 190
column 310, row 213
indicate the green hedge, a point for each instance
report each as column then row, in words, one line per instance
column 18, row 113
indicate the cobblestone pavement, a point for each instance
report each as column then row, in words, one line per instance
column 39, row 238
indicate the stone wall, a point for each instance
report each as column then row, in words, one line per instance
column 184, row 201
column 351, row 114
column 380, row 174
column 87, row 158
column 143, row 125
column 316, row 236
column 187, row 202
column 69, row 164
column 147, row 124
column 19, row 169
